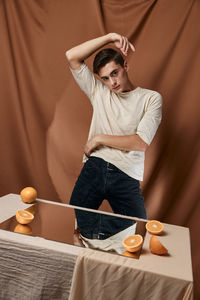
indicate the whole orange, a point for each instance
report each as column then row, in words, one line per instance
column 28, row 194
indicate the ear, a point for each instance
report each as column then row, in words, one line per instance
column 126, row 66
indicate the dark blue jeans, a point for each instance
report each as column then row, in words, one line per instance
column 101, row 180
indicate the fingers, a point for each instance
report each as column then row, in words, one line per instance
column 121, row 41
column 126, row 45
column 87, row 151
column 92, row 145
column 132, row 47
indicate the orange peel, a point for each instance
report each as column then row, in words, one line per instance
column 130, row 254
column 156, row 246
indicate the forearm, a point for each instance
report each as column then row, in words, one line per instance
column 125, row 143
column 79, row 53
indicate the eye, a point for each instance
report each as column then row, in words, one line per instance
column 115, row 73
column 104, row 78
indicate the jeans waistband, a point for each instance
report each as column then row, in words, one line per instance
column 101, row 162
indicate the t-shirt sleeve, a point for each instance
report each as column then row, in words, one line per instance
column 151, row 119
column 86, row 80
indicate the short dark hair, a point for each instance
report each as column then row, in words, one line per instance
column 105, row 56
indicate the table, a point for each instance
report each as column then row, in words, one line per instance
column 36, row 268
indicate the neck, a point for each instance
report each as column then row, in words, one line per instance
column 129, row 87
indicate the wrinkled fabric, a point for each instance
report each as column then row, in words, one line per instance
column 32, row 272
column 98, row 276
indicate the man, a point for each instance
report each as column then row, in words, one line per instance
column 124, row 122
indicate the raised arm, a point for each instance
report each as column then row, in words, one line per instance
column 78, row 54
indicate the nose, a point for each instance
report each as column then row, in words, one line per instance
column 113, row 81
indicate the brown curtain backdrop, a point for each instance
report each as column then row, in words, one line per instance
column 45, row 117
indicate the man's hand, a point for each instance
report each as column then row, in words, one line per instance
column 122, row 43
column 91, row 145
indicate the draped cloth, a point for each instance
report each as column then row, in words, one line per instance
column 45, row 118
column 34, row 268
column 105, row 276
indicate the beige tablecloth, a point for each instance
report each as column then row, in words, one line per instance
column 106, row 276
column 36, row 268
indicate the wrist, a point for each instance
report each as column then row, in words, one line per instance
column 110, row 37
column 99, row 139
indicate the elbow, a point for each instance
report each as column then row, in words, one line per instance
column 144, row 147
column 68, row 55
column 73, row 61
column 139, row 147
column 138, row 144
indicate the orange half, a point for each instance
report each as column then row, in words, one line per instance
column 25, row 229
column 130, row 254
column 24, row 217
column 133, row 243
column 154, row 227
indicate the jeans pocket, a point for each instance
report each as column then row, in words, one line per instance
column 91, row 163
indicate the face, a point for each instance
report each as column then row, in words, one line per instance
column 115, row 77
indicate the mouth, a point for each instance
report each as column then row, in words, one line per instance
column 116, row 88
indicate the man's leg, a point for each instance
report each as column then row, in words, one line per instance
column 125, row 197
column 87, row 193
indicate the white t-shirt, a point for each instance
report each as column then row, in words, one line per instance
column 136, row 112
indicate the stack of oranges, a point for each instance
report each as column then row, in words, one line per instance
column 25, row 217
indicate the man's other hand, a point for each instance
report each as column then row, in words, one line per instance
column 122, row 43
column 92, row 145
